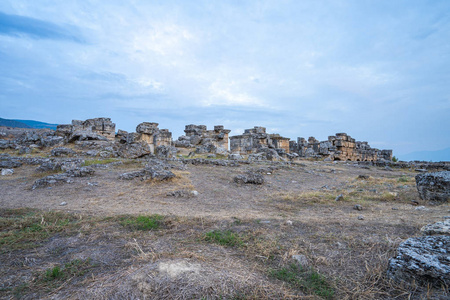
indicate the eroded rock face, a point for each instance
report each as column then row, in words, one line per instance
column 424, row 260
column 434, row 187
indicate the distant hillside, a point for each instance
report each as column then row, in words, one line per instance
column 37, row 124
column 439, row 155
column 26, row 124
column 13, row 123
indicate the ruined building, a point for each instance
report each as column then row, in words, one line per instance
column 91, row 129
column 197, row 136
column 255, row 139
column 338, row 147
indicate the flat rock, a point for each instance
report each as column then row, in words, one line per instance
column 434, row 187
column 424, row 260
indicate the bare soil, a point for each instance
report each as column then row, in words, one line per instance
column 293, row 212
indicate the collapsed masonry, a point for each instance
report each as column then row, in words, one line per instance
column 256, row 139
column 204, row 140
column 338, row 147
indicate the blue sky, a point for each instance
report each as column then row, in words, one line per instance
column 378, row 70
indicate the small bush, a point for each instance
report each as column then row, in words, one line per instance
column 403, row 179
column 394, row 159
column 53, row 273
column 152, row 222
column 224, row 238
column 74, row 268
column 307, row 280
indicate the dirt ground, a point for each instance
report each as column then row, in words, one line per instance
column 293, row 213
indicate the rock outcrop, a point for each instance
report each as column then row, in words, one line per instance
column 434, row 187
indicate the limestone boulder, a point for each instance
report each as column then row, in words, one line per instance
column 134, row 150
column 147, row 128
column 424, row 260
column 165, row 152
column 131, row 175
column 62, row 151
column 159, row 174
column 80, row 172
column 235, row 156
column 438, row 228
column 51, row 180
column 434, row 187
column 7, row 172
column 249, row 178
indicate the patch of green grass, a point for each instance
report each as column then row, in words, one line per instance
column 98, row 161
column 53, row 273
column 224, row 238
column 74, row 268
column 307, row 280
column 152, row 222
column 22, row 229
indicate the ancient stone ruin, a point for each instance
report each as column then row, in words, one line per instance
column 338, row 147
column 98, row 134
column 204, row 140
column 255, row 139
column 91, row 129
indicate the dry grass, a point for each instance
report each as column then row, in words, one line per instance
column 292, row 213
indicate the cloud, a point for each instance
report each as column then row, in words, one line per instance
column 15, row 25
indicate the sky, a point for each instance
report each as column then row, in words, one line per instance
column 377, row 70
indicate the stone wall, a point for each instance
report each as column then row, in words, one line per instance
column 339, row 147
column 253, row 140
